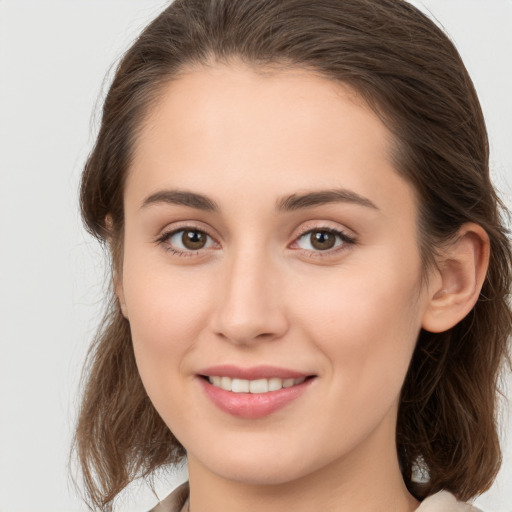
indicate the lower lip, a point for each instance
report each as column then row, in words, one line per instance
column 253, row 405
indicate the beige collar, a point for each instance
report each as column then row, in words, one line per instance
column 443, row 501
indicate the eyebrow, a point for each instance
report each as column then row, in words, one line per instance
column 182, row 198
column 310, row 199
column 286, row 204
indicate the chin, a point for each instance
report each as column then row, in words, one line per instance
column 263, row 463
column 268, row 472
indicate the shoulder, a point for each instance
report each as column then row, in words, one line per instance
column 445, row 502
column 175, row 501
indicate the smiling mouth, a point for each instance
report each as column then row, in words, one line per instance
column 252, row 393
column 257, row 386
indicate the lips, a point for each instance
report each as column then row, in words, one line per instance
column 253, row 392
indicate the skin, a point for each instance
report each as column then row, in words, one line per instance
column 259, row 293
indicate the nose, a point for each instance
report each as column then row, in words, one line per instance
column 251, row 306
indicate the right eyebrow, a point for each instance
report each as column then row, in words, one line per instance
column 181, row 198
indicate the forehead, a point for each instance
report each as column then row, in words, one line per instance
column 206, row 103
column 234, row 130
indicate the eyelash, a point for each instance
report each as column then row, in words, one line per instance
column 343, row 238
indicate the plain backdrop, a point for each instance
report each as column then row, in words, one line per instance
column 54, row 62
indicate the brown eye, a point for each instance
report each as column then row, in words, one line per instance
column 187, row 241
column 322, row 240
column 193, row 240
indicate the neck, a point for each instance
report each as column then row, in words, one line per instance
column 366, row 480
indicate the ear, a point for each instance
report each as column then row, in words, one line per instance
column 119, row 291
column 117, row 272
column 461, row 270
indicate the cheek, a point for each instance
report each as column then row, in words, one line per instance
column 167, row 309
column 167, row 313
column 366, row 324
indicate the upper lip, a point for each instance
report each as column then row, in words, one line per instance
column 251, row 373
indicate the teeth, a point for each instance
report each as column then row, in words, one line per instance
column 258, row 386
column 287, row 383
column 274, row 384
column 225, row 383
column 240, row 386
column 254, row 386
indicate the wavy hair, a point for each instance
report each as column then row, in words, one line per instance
column 410, row 73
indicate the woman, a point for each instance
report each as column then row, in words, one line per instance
column 310, row 273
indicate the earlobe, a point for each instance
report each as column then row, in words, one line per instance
column 461, row 274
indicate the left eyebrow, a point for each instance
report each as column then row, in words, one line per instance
column 310, row 199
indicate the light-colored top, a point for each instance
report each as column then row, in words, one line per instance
column 443, row 501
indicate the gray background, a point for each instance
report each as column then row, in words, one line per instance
column 54, row 56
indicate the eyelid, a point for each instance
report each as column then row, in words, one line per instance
column 184, row 225
column 323, row 225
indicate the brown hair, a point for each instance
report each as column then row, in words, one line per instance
column 412, row 76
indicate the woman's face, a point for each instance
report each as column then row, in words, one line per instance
column 270, row 244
